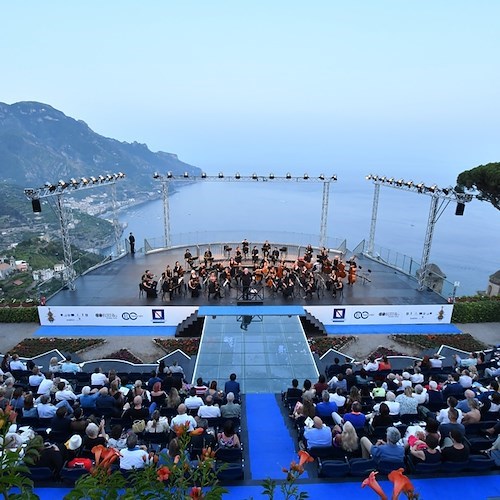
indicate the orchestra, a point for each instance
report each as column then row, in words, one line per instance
column 217, row 276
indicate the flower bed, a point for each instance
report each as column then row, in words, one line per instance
column 31, row 347
column 384, row 351
column 188, row 346
column 464, row 341
column 124, row 355
column 320, row 345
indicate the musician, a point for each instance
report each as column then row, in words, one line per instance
column 272, row 280
column 338, row 287
column 351, row 278
column 255, row 254
column 335, row 263
column 275, row 255
column 238, row 257
column 309, row 251
column 168, row 287
column 178, row 269
column 226, row 277
column 330, row 281
column 194, row 285
column 266, row 248
column 234, row 267
column 149, row 284
column 188, row 257
column 246, row 281
column 208, row 258
column 213, row 286
column 168, row 271
column 310, row 286
column 287, row 284
column 245, row 246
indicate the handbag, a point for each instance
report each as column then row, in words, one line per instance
column 138, row 426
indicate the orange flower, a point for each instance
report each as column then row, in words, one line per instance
column 372, row 482
column 163, row 473
column 104, row 457
column 180, row 430
column 196, row 493
column 197, row 431
column 305, row 457
column 401, row 483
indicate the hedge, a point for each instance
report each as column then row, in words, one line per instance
column 18, row 315
column 476, row 311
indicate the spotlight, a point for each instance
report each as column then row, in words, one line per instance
column 93, row 179
column 271, row 176
column 433, row 188
column 221, row 175
column 109, row 177
column 447, row 191
column 121, row 175
column 375, row 178
column 156, row 175
column 237, row 176
column 74, row 182
column 102, row 178
column 288, row 175
column 186, row 175
column 169, row 175
column 203, row 175
column 254, row 176
column 382, row 179
column 391, row 180
column 321, row 177
column 306, row 176
column 85, row 181
column 63, row 184
column 334, row 178
column 368, row 177
column 409, row 184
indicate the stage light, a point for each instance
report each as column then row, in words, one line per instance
column 85, row 181
column 156, row 175
column 186, row 175
column 391, row 180
column 102, row 178
column 109, row 177
column 433, row 188
column 121, row 175
column 271, row 176
column 306, row 176
column 382, row 179
column 221, row 175
column 375, row 178
column 254, row 176
column 74, row 182
column 63, row 184
column 368, row 177
column 321, row 177
column 169, row 175
column 203, row 175
column 334, row 178
column 409, row 184
column 93, row 179
column 288, row 175
column 237, row 176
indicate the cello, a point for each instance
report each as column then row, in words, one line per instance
column 351, row 279
column 341, row 270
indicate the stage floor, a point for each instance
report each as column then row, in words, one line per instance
column 117, row 284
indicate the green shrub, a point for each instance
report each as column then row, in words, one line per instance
column 479, row 310
column 18, row 315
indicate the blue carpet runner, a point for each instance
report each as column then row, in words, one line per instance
column 270, row 444
column 106, row 331
column 389, row 329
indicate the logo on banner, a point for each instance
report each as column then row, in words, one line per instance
column 132, row 316
column 361, row 315
column 158, row 315
column 338, row 314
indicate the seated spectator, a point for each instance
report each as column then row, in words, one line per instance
column 17, row 401
column 326, row 407
column 153, row 379
column 16, row 364
column 320, row 385
column 383, row 417
column 203, row 440
column 370, row 364
column 78, row 422
column 88, row 397
column 193, row 401
column 416, row 377
column 318, row 435
column 158, row 395
column 65, row 392
column 94, row 435
column 378, row 391
column 218, row 396
column 117, row 438
column 209, row 410
column 157, row 423
column 452, row 387
column 434, row 395
column 98, row 379
column 465, row 379
column 29, row 409
column 384, row 363
column 293, row 393
column 136, row 411
column 390, row 401
column 231, row 409
column 133, row 456
column 425, row 451
column 420, row 394
column 45, row 386
column 182, row 417
column 173, row 400
column 338, row 397
column 345, row 437
column 46, row 409
column 436, row 362
column 442, row 416
column 36, row 377
column 138, row 390
column 355, row 416
column 334, row 369
column 407, row 403
column 228, row 438
column 308, row 389
column 69, row 367
column 446, row 428
column 473, row 416
column 454, row 449
column 304, row 409
column 384, row 450
column 201, row 389
column 61, row 422
column 169, row 455
column 354, row 395
column 54, row 366
column 107, row 404
column 338, row 382
column 176, row 368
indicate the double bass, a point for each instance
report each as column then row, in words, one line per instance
column 341, row 273
column 351, row 278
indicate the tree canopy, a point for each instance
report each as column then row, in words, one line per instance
column 485, row 179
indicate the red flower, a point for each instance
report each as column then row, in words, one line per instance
column 304, row 457
column 104, row 457
column 401, row 483
column 196, row 493
column 372, row 482
column 163, row 473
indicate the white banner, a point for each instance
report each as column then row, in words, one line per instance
column 113, row 315
column 383, row 315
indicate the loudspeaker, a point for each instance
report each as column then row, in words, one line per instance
column 36, row 205
column 460, row 209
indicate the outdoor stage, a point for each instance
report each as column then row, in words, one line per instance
column 381, row 300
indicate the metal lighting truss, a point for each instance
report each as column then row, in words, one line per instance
column 56, row 193
column 220, row 177
column 440, row 199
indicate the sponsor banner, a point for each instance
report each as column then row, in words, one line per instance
column 383, row 315
column 113, row 315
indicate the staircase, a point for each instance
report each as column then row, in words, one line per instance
column 192, row 326
column 312, row 327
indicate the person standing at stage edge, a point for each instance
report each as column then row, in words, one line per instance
column 131, row 240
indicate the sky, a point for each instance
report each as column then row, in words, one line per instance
column 399, row 88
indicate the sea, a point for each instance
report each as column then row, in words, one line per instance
column 466, row 248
